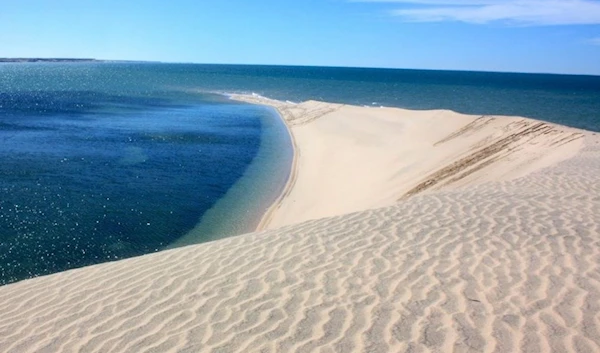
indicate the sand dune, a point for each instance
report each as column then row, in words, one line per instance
column 466, row 265
column 351, row 158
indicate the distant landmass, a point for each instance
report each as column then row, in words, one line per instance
column 49, row 60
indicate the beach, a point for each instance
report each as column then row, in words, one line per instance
column 398, row 230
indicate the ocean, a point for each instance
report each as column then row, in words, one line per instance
column 104, row 161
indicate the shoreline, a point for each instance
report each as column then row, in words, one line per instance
column 289, row 185
column 241, row 209
column 293, row 173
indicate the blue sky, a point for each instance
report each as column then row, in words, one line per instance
column 560, row 36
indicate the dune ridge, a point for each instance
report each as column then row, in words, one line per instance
column 351, row 158
column 485, row 263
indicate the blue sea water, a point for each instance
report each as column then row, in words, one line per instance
column 103, row 161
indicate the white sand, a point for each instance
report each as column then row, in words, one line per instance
column 483, row 257
column 352, row 158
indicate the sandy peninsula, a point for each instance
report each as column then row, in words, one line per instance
column 350, row 158
column 399, row 231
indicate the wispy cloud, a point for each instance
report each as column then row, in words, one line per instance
column 518, row 12
column 594, row 41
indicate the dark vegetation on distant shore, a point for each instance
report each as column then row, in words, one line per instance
column 47, row 60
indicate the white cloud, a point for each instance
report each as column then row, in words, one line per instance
column 594, row 41
column 519, row 12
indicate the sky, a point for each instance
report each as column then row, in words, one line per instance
column 553, row 36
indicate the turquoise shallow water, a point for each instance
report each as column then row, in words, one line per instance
column 102, row 161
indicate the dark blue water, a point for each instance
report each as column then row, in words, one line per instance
column 564, row 99
column 89, row 176
column 102, row 161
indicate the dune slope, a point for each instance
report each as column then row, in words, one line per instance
column 351, row 158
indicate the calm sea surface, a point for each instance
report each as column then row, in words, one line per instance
column 103, row 161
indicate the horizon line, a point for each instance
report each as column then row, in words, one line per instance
column 95, row 60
